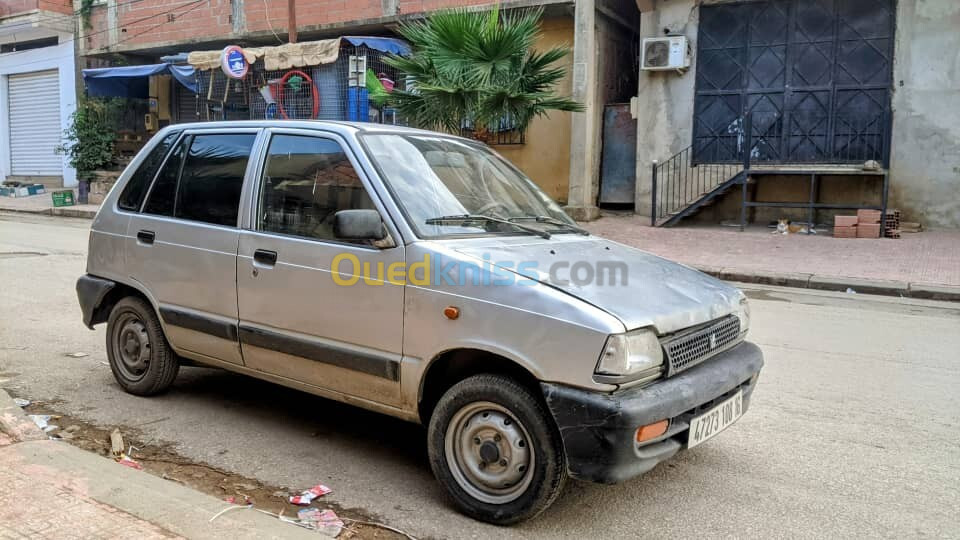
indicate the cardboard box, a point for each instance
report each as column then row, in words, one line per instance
column 868, row 216
column 868, row 230
column 844, row 221
column 845, row 232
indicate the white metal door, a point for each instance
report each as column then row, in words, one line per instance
column 35, row 131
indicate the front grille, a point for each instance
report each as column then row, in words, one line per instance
column 692, row 347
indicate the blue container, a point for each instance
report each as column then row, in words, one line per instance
column 358, row 104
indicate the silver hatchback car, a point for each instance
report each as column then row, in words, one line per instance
column 422, row 276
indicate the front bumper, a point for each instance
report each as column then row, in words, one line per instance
column 599, row 430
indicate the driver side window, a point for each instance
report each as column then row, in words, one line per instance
column 306, row 181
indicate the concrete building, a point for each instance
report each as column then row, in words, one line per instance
column 808, row 89
column 830, row 83
column 560, row 152
column 38, row 84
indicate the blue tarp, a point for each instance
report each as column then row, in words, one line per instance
column 383, row 44
column 132, row 81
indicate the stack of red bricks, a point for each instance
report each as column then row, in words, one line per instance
column 891, row 225
column 866, row 224
column 845, row 227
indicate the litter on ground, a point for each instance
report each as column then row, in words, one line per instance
column 41, row 420
column 324, row 521
column 307, row 496
column 127, row 462
column 116, row 443
column 20, row 402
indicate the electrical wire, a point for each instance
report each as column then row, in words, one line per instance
column 194, row 3
column 198, row 3
column 266, row 14
column 79, row 12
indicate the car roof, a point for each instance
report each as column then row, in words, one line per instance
column 330, row 125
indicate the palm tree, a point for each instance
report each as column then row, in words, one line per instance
column 478, row 71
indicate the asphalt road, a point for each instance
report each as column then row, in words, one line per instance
column 853, row 431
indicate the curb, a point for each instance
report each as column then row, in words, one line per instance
column 15, row 425
column 903, row 289
column 176, row 508
column 61, row 212
column 171, row 506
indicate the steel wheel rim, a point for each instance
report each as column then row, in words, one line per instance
column 131, row 347
column 489, row 452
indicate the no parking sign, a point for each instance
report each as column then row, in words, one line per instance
column 233, row 63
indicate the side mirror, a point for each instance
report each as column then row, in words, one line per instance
column 358, row 225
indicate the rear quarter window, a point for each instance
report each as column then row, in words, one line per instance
column 132, row 195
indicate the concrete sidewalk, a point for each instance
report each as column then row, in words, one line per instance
column 921, row 265
column 43, row 204
column 54, row 490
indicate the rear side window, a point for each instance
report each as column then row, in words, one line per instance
column 212, row 178
column 164, row 192
column 136, row 188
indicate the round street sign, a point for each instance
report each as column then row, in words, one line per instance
column 233, row 63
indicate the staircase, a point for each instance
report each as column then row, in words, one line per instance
column 681, row 187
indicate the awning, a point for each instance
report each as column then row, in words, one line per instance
column 132, row 81
column 383, row 44
column 305, row 53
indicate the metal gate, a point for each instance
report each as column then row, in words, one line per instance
column 34, row 109
column 618, row 164
column 814, row 75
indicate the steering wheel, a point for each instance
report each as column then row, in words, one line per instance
column 490, row 206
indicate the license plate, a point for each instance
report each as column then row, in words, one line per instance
column 715, row 420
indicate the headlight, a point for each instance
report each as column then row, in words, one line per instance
column 630, row 354
column 743, row 313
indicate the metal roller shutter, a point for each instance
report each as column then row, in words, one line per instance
column 35, row 131
column 186, row 104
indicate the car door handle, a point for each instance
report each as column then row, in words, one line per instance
column 264, row 256
column 147, row 237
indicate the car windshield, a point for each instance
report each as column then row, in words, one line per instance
column 449, row 187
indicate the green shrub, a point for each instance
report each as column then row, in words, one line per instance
column 90, row 136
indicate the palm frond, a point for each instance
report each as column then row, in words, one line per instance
column 478, row 67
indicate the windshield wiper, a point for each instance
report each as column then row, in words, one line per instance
column 552, row 221
column 461, row 218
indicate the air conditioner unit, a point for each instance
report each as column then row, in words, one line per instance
column 665, row 53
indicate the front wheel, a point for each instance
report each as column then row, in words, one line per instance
column 494, row 448
column 140, row 357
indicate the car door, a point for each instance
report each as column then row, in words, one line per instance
column 296, row 321
column 182, row 246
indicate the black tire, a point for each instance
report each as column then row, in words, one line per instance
column 140, row 357
column 510, row 401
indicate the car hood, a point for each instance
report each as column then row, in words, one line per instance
column 638, row 288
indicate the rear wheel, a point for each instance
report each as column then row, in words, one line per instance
column 494, row 448
column 140, row 357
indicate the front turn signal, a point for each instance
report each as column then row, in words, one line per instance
column 652, row 431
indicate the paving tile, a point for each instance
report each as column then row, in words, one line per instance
column 928, row 257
